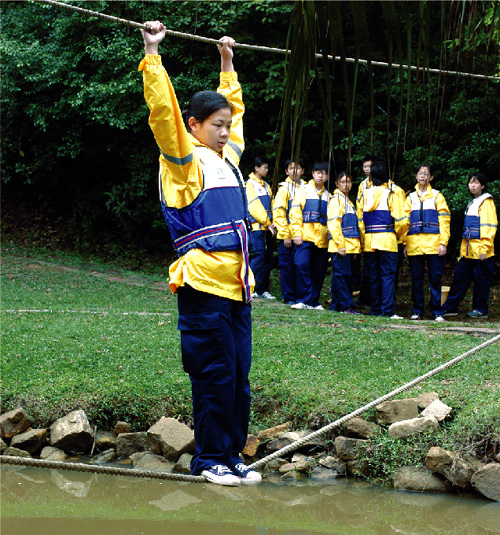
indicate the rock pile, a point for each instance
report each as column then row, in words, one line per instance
column 169, row 445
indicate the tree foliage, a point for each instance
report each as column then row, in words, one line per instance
column 76, row 145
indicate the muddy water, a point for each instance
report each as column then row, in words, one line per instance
column 56, row 502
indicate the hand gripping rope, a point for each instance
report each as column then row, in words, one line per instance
column 158, row 474
column 173, row 33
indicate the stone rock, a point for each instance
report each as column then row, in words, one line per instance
column 357, row 468
column 53, row 454
column 389, row 412
column 122, row 427
column 183, row 465
column 349, row 449
column 130, row 443
column 274, row 465
column 274, row 432
column 170, row 438
column 251, row 446
column 3, row 446
column 360, row 428
column 289, row 476
column 16, row 452
column 32, row 440
column 419, row 479
column 449, row 465
column 104, row 440
column 13, row 422
column 333, row 463
column 283, row 469
column 105, row 456
column 72, row 433
column 415, row 426
column 425, row 399
column 293, row 436
column 487, row 481
column 321, row 473
column 276, row 444
column 150, row 461
column 438, row 409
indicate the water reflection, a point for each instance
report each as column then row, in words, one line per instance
column 58, row 502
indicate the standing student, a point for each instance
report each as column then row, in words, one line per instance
column 476, row 251
column 204, row 204
column 428, row 223
column 263, row 228
column 344, row 244
column 281, row 212
column 308, row 221
column 381, row 223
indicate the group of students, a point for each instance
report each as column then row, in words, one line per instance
column 385, row 225
column 205, row 203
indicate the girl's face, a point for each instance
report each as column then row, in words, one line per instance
column 344, row 184
column 366, row 167
column 319, row 177
column 214, row 130
column 424, row 177
column 294, row 171
column 475, row 187
column 262, row 170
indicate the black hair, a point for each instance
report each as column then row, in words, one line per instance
column 379, row 173
column 300, row 162
column 424, row 164
column 321, row 166
column 370, row 158
column 481, row 178
column 342, row 174
column 203, row 104
column 259, row 162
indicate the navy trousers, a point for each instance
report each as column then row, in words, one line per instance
column 341, row 283
column 435, row 268
column 468, row 270
column 216, row 342
column 288, row 272
column 262, row 259
column 311, row 262
column 381, row 268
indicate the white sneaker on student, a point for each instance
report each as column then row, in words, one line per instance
column 246, row 475
column 266, row 295
column 319, row 307
column 396, row 317
column 439, row 319
column 220, row 474
column 301, row 306
column 416, row 317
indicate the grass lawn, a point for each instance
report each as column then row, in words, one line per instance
column 86, row 334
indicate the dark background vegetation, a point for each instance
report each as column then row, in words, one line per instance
column 80, row 164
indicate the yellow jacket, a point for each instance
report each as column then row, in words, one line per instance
column 424, row 243
column 382, row 241
column 336, row 210
column 218, row 273
column 255, row 206
column 488, row 228
column 281, row 206
column 314, row 232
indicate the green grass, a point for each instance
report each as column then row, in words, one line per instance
column 96, row 336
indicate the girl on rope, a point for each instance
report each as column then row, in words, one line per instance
column 203, row 200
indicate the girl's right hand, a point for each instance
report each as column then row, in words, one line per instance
column 153, row 37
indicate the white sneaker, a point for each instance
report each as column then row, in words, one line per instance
column 301, row 306
column 246, row 475
column 220, row 474
column 255, row 295
column 396, row 317
column 416, row 317
column 439, row 319
column 318, row 307
column 266, row 295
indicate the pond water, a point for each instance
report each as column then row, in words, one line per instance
column 57, row 502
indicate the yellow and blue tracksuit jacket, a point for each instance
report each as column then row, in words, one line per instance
column 427, row 222
column 281, row 207
column 343, row 225
column 480, row 227
column 309, row 215
column 187, row 184
column 259, row 199
column 381, row 219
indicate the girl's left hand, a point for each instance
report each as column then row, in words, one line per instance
column 225, row 47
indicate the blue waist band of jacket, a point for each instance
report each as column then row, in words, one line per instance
column 378, row 221
column 266, row 203
column 349, row 226
column 472, row 229
column 425, row 221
